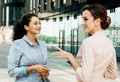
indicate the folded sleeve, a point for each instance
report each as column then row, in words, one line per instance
column 84, row 72
column 14, row 57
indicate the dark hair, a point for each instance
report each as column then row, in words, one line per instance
column 19, row 31
column 99, row 11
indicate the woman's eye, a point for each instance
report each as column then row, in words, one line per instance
column 35, row 23
column 85, row 19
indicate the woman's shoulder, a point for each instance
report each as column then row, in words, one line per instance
column 17, row 42
column 88, row 39
column 93, row 38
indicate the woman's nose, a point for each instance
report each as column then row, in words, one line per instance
column 39, row 25
column 83, row 22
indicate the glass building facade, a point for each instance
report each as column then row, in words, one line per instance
column 65, row 23
column 62, row 19
column 10, row 11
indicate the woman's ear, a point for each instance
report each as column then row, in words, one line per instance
column 26, row 27
column 97, row 21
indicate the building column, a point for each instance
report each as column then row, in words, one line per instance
column 48, row 5
column 68, row 2
column 1, row 13
column 36, row 6
column 42, row 5
column 81, row 1
column 57, row 4
column 27, row 6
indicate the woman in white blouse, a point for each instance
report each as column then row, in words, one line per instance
column 96, row 58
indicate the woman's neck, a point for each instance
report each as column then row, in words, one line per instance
column 96, row 30
column 32, row 38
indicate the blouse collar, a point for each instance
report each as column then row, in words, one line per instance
column 28, row 40
column 99, row 32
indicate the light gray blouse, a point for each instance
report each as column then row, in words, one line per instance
column 23, row 54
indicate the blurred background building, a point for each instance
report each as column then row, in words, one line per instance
column 61, row 20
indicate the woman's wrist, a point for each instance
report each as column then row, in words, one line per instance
column 72, row 61
column 30, row 69
column 70, row 57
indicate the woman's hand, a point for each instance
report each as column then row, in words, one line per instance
column 62, row 54
column 45, row 74
column 41, row 69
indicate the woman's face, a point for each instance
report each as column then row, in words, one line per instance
column 34, row 26
column 88, row 22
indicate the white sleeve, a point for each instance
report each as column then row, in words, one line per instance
column 84, row 72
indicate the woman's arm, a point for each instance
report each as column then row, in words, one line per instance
column 111, row 72
column 14, row 58
column 84, row 72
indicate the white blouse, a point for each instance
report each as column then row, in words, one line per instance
column 97, row 59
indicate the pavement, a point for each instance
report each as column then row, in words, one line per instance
column 60, row 70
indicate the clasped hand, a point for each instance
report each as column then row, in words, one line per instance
column 42, row 70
